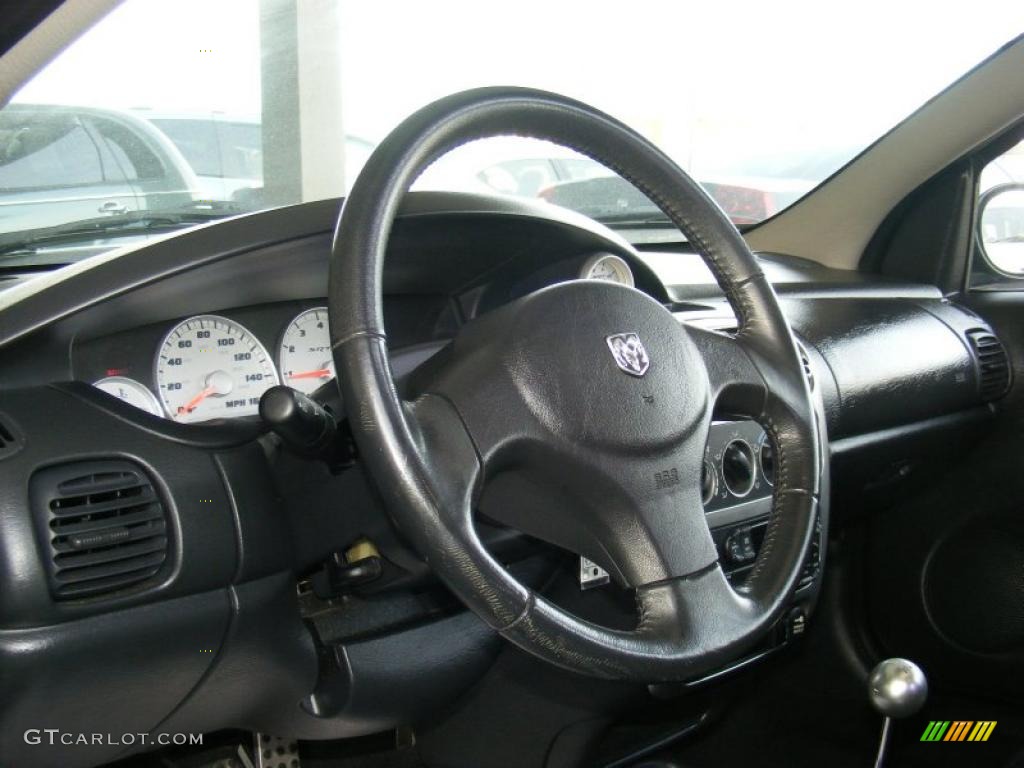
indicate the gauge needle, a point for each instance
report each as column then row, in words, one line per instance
column 218, row 383
column 321, row 373
column 195, row 401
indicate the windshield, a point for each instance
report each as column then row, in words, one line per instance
column 200, row 109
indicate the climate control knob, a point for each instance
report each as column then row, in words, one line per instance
column 738, row 468
column 708, row 482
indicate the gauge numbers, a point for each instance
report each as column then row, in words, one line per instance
column 305, row 357
column 132, row 392
column 607, row 267
column 210, row 367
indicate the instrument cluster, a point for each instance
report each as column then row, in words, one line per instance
column 212, row 367
column 217, row 366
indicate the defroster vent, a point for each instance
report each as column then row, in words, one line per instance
column 993, row 364
column 104, row 527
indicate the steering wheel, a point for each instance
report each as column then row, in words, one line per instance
column 587, row 403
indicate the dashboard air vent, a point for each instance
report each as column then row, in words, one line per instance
column 104, row 525
column 10, row 440
column 993, row 364
column 805, row 361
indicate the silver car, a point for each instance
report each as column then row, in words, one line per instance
column 62, row 164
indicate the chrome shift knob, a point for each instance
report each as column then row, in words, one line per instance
column 898, row 688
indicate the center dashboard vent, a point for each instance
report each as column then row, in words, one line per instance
column 993, row 363
column 104, row 527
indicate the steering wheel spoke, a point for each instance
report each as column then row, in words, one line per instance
column 641, row 520
column 737, row 386
column 750, row 379
column 702, row 606
column 665, row 534
column 451, row 456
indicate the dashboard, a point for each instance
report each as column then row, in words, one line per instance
column 152, row 361
column 194, row 329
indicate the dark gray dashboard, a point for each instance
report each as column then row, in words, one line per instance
column 884, row 355
column 454, row 256
column 887, row 359
column 889, row 362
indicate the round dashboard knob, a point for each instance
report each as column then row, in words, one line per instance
column 738, row 468
column 708, row 482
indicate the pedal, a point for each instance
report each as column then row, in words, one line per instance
column 276, row 751
column 592, row 575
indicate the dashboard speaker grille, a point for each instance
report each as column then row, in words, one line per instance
column 105, row 527
column 993, row 363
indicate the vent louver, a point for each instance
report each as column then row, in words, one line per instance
column 805, row 361
column 993, row 363
column 104, row 526
column 10, row 441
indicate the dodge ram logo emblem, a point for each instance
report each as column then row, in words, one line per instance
column 629, row 353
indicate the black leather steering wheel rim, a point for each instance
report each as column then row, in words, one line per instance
column 431, row 454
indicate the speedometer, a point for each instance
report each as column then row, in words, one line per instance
column 210, row 367
column 305, row 360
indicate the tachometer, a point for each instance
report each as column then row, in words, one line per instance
column 609, row 267
column 132, row 392
column 210, row 367
column 305, row 358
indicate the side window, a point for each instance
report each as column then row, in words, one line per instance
column 242, row 150
column 46, row 152
column 135, row 160
column 582, row 168
column 197, row 141
column 999, row 224
column 519, row 177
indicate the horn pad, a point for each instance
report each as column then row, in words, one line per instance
column 606, row 366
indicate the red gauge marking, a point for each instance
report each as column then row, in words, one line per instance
column 192, row 404
column 321, row 373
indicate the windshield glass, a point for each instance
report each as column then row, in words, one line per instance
column 168, row 113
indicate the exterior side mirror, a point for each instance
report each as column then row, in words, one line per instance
column 1001, row 228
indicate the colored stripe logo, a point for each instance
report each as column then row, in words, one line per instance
column 958, row 730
